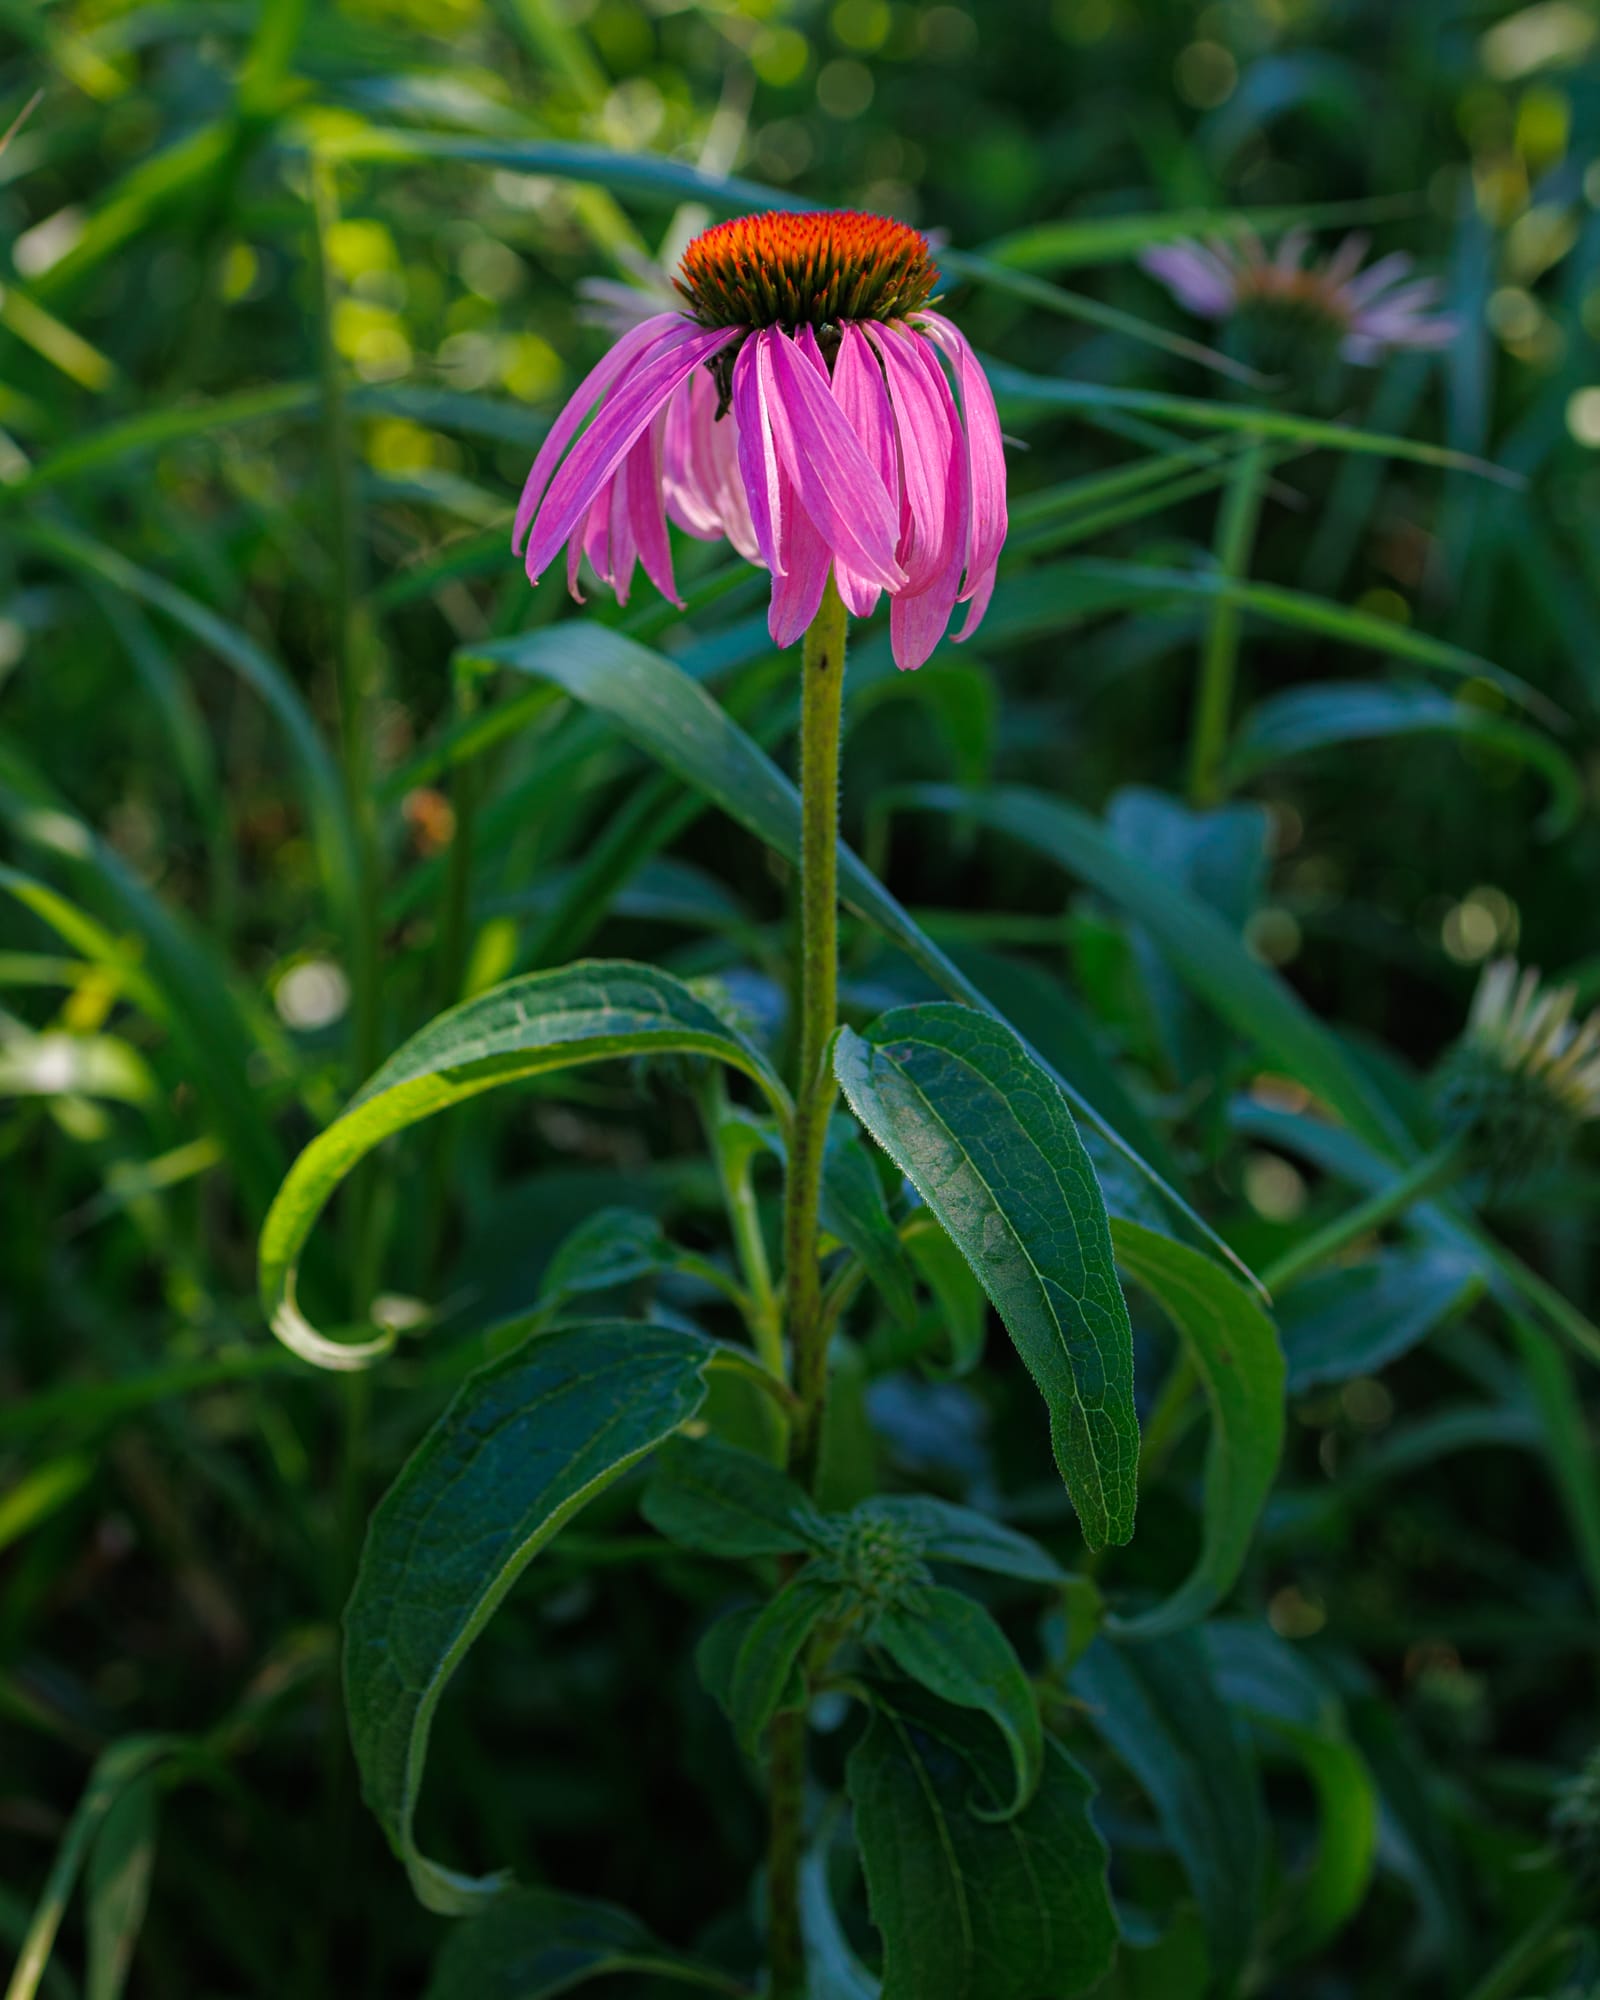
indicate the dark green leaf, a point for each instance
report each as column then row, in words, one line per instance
column 985, row 1136
column 951, row 1646
column 526, row 1442
column 1158, row 1708
column 125, row 1764
column 853, row 1209
column 1233, row 1347
column 612, row 1247
column 1313, row 718
column 974, row 1908
column 1219, row 857
column 722, row 1501
column 531, row 1944
column 1261, row 1674
column 118, row 1889
column 594, row 1011
column 1356, row 1319
column 767, row 1675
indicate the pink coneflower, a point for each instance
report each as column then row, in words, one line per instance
column 799, row 407
column 1365, row 313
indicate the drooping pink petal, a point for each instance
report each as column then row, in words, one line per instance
column 624, row 542
column 860, row 392
column 797, row 589
column 832, row 478
column 987, row 468
column 685, row 459
column 642, row 476
column 594, row 385
column 922, row 423
column 621, row 421
column 919, row 615
column 758, row 457
column 595, row 521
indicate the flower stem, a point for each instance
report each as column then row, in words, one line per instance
column 821, row 699
column 1432, row 1172
column 822, row 687
column 1213, row 714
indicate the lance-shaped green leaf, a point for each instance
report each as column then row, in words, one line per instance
column 984, row 1135
column 1233, row 1347
column 1264, row 1675
column 951, row 1646
column 594, row 1011
column 1318, row 718
column 970, row 1907
column 532, row 1944
column 952, row 1534
column 767, row 1675
column 526, row 1442
column 125, row 1764
column 117, row 1892
column 1357, row 1319
column 1158, row 1708
column 722, row 1501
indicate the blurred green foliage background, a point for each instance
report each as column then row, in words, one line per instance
column 288, row 294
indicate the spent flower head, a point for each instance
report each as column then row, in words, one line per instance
column 1302, row 321
column 805, row 403
column 1524, row 1076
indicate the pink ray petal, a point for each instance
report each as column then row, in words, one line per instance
column 641, row 474
column 758, row 456
column 1196, row 278
column 986, row 463
column 1346, row 260
column 832, row 477
column 1377, row 278
column 797, row 591
column 861, row 393
column 621, row 421
column 599, row 379
column 685, row 459
column 924, row 427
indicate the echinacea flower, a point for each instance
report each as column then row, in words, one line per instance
column 799, row 406
column 1287, row 310
column 1524, row 1076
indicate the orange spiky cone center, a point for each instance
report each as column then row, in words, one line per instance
column 792, row 270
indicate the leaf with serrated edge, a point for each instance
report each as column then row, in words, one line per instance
column 593, row 1011
column 985, row 1136
column 526, row 1442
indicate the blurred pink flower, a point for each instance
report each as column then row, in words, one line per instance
column 1372, row 311
column 797, row 407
